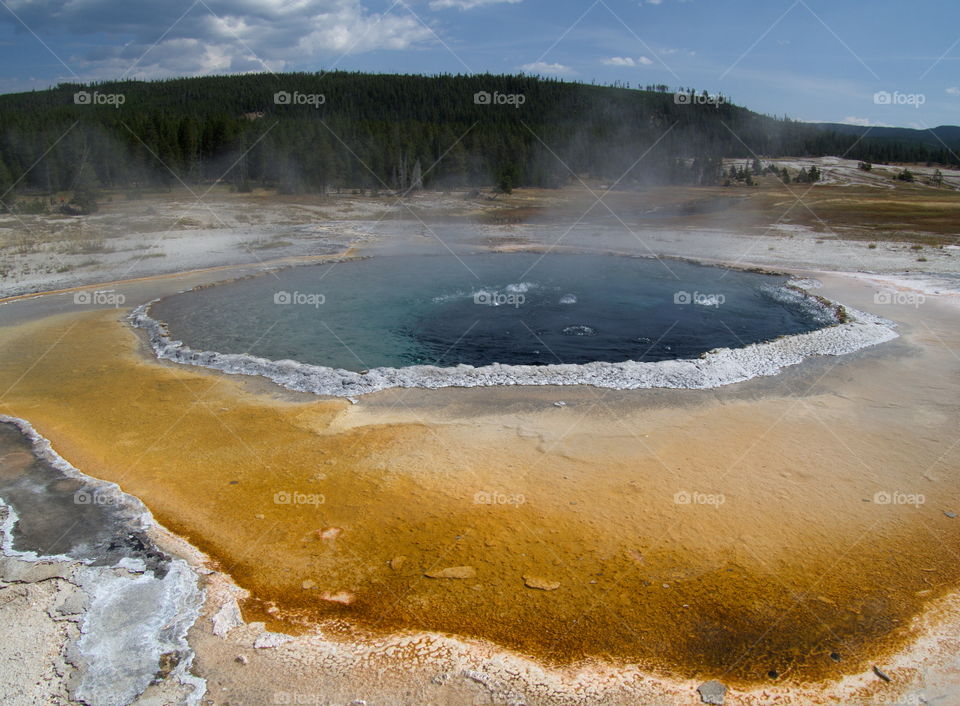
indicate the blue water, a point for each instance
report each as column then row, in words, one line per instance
column 518, row 308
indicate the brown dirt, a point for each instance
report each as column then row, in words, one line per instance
column 792, row 566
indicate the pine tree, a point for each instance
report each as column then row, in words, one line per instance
column 6, row 184
column 416, row 177
column 85, row 190
column 507, row 178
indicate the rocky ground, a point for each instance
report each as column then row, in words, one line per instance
column 100, row 616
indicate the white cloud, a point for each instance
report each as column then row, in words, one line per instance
column 467, row 4
column 542, row 67
column 218, row 35
column 862, row 122
column 953, row 91
column 627, row 61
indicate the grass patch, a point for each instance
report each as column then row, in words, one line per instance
column 86, row 246
column 270, row 244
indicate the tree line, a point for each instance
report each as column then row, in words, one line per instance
column 312, row 132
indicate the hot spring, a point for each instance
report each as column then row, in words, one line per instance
column 521, row 309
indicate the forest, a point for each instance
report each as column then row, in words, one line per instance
column 315, row 132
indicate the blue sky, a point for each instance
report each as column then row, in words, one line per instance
column 820, row 60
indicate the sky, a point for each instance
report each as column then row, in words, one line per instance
column 867, row 62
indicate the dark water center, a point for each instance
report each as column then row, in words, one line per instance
column 518, row 308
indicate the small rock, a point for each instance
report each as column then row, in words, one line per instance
column 540, row 583
column 879, row 673
column 342, row 597
column 72, row 604
column 168, row 662
column 561, row 403
column 835, row 656
column 13, row 569
column 227, row 618
column 329, row 534
column 353, row 400
column 712, row 692
column 951, row 515
column 134, row 566
column 258, row 516
column 308, row 584
column 397, row 562
column 452, row 572
column 242, row 659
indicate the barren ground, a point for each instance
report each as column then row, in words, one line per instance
column 803, row 558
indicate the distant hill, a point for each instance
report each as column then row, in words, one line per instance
column 312, row 132
column 948, row 135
